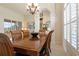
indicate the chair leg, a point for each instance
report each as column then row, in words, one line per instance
column 46, row 52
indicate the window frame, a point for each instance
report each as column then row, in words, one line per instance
column 16, row 24
column 76, row 20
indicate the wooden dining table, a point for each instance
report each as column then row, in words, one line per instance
column 30, row 45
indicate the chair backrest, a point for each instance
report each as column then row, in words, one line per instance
column 16, row 35
column 6, row 47
column 48, row 42
column 25, row 33
column 42, row 32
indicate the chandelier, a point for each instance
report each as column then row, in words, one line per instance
column 32, row 8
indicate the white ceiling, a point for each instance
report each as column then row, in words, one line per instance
column 20, row 7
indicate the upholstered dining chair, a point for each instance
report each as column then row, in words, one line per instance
column 48, row 43
column 6, row 48
column 16, row 35
column 25, row 33
column 47, row 49
column 42, row 32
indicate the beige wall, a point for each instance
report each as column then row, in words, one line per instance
column 9, row 14
column 59, row 24
column 6, row 13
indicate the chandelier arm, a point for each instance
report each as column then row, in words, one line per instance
column 32, row 9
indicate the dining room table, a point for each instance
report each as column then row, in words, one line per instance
column 31, row 45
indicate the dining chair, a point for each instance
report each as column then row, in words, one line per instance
column 6, row 47
column 25, row 33
column 42, row 32
column 47, row 49
column 16, row 35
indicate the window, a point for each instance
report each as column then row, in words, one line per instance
column 70, row 23
column 31, row 26
column 7, row 25
column 74, row 25
column 19, row 25
column 68, row 32
column 65, row 32
column 68, row 13
column 74, row 34
column 11, row 25
column 67, row 22
column 48, row 25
